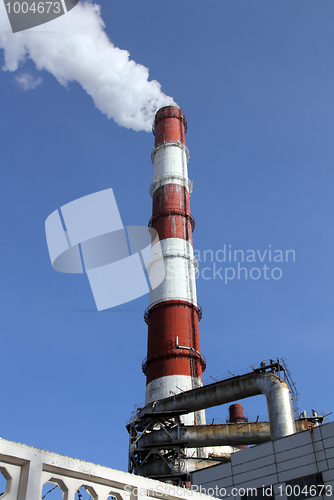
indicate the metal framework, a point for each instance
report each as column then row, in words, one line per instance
column 170, row 458
column 167, row 460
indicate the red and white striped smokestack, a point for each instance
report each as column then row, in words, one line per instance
column 174, row 363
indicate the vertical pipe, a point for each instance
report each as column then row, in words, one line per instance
column 237, row 415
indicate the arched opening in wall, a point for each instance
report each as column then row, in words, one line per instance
column 4, row 481
column 114, row 496
column 52, row 491
column 3, row 484
column 85, row 493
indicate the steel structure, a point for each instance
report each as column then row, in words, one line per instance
column 160, row 441
column 263, row 380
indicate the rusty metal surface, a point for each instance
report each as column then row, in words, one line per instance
column 167, row 321
column 210, row 395
column 164, row 470
column 158, row 448
column 226, row 391
column 303, row 425
column 230, row 434
column 195, row 436
column 170, row 125
column 236, row 413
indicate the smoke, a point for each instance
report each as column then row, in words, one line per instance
column 27, row 81
column 75, row 47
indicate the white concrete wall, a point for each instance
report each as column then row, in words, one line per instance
column 273, row 463
column 27, row 469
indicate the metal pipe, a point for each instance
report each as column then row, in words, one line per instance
column 198, row 436
column 244, row 386
column 201, row 436
column 165, row 469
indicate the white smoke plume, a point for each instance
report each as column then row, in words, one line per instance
column 75, row 47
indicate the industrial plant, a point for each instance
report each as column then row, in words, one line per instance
column 169, row 437
column 173, row 452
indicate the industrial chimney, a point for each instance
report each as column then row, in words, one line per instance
column 174, row 363
column 168, row 437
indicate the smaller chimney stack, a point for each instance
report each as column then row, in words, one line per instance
column 237, row 415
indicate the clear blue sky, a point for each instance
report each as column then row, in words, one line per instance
column 256, row 82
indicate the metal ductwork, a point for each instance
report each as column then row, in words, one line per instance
column 202, row 436
column 273, row 387
column 199, row 436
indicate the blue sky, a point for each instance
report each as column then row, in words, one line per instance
column 255, row 81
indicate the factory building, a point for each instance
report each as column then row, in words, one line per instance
column 297, row 466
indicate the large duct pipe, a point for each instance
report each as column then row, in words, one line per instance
column 195, row 436
column 164, row 469
column 199, row 436
column 244, row 386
